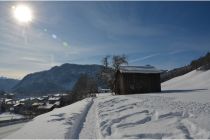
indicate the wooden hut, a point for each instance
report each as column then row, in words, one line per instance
column 137, row 79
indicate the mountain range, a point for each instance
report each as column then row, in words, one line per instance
column 6, row 84
column 57, row 79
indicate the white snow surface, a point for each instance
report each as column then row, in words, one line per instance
column 10, row 116
column 63, row 123
column 181, row 110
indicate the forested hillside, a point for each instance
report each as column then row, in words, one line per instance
column 203, row 63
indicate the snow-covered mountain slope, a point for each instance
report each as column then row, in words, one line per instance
column 196, row 83
column 6, row 84
column 193, row 80
column 57, row 79
column 182, row 110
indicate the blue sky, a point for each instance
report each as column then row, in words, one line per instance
column 164, row 34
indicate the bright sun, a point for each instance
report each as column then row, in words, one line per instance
column 22, row 13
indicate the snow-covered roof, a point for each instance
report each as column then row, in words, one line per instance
column 17, row 104
column 40, row 98
column 57, row 95
column 47, row 106
column 10, row 94
column 22, row 100
column 11, row 102
column 45, row 96
column 139, row 69
column 33, row 98
column 54, row 98
column 57, row 103
column 8, row 100
column 37, row 104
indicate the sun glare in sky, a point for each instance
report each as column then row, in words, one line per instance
column 22, row 13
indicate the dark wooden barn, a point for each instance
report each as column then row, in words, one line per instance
column 137, row 79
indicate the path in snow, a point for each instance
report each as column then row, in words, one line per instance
column 89, row 127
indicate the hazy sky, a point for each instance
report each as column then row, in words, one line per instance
column 163, row 34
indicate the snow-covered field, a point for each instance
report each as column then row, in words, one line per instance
column 151, row 117
column 10, row 116
column 182, row 110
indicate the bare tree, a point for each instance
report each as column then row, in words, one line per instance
column 118, row 60
column 105, row 61
column 108, row 70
